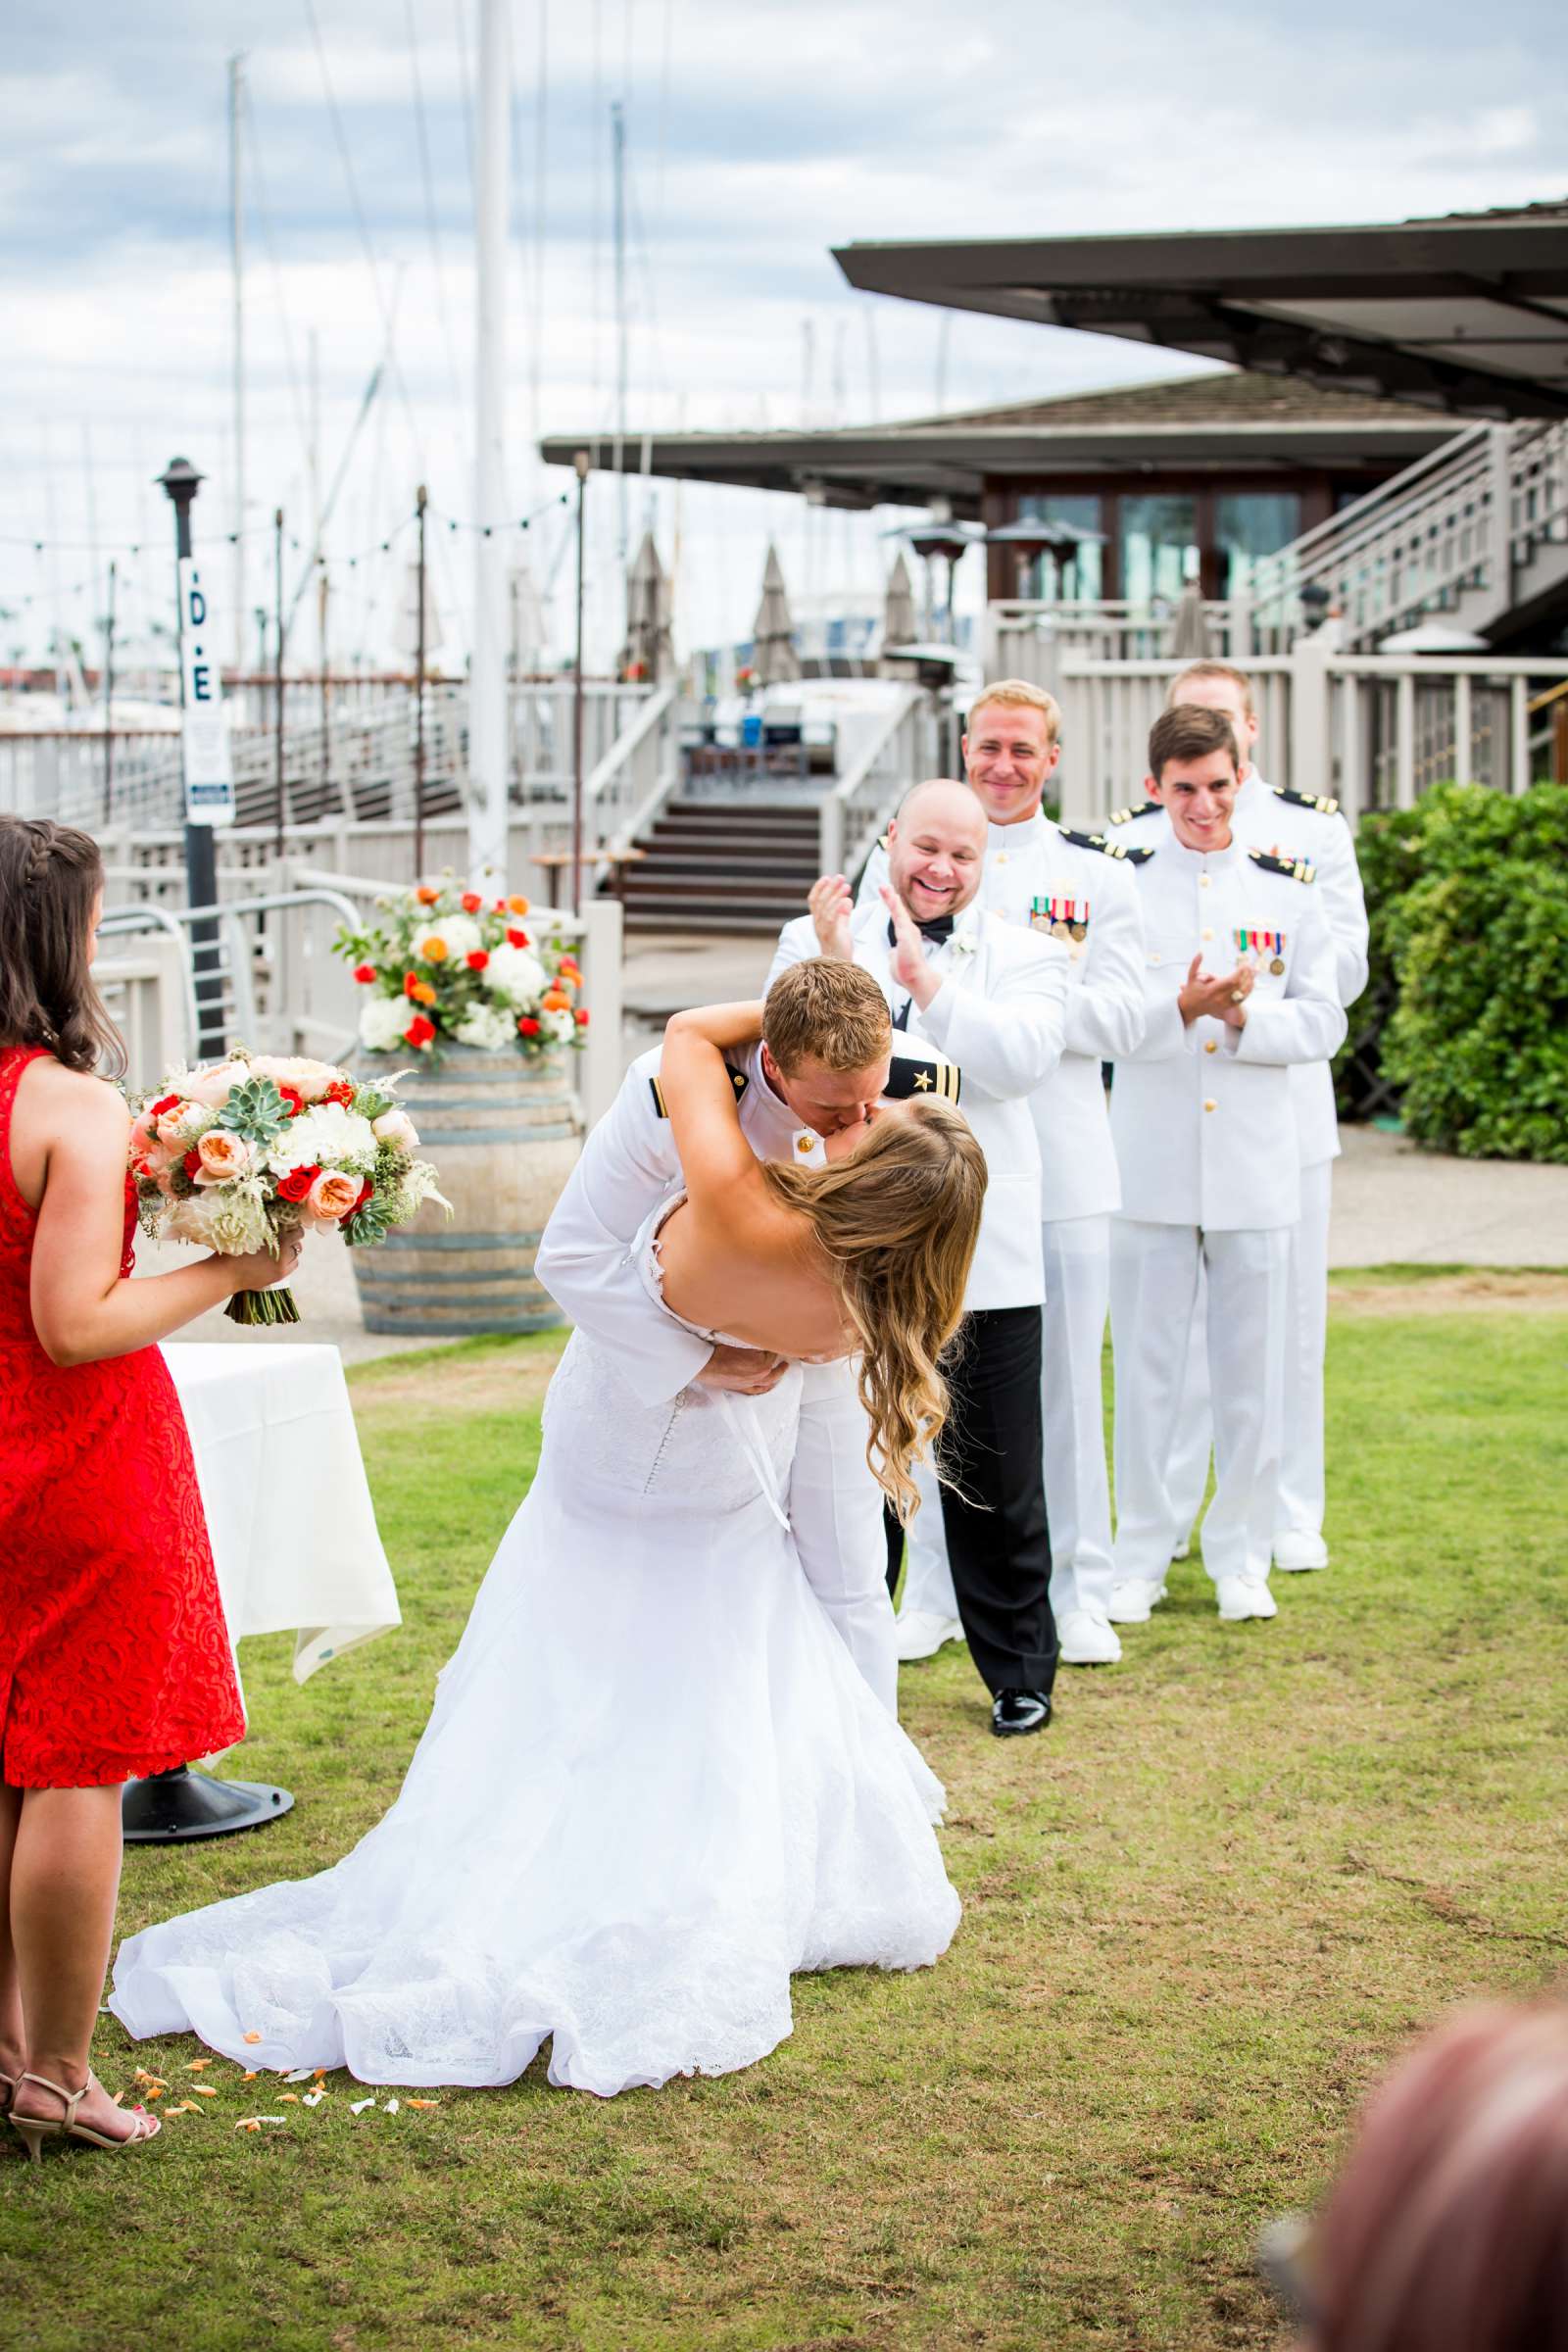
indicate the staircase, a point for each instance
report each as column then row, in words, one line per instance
column 720, row 865
column 1477, row 532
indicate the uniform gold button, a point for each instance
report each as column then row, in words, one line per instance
column 1206, row 935
column 1203, row 881
column 1210, row 1103
column 1209, row 1046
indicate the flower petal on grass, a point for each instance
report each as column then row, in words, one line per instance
column 424, row 2102
column 391, row 2107
column 253, row 2038
column 194, row 2066
column 358, row 2106
column 301, row 2073
column 312, row 2099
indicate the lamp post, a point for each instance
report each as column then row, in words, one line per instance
column 940, row 542
column 180, row 482
column 580, row 466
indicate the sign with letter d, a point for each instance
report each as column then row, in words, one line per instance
column 209, row 772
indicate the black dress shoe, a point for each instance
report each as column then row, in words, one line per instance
column 1015, row 1712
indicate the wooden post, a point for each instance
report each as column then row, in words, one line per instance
column 419, row 503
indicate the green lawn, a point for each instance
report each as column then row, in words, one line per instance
column 1198, row 1915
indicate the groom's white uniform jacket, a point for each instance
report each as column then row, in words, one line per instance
column 1000, row 1013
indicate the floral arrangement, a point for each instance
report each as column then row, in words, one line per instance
column 445, row 965
column 234, row 1154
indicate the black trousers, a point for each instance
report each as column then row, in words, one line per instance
column 994, row 1499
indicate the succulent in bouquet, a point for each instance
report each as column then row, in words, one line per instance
column 233, row 1155
column 446, row 966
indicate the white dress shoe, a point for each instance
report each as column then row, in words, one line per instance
column 1241, row 1597
column 1133, row 1600
column 1087, row 1639
column 1295, row 1550
column 921, row 1633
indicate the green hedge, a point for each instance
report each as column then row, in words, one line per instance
column 1466, row 1018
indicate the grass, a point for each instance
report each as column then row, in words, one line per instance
column 1237, row 1875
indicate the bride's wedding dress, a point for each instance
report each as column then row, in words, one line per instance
column 652, row 1786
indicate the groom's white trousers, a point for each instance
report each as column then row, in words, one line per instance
column 1077, row 1263
column 835, row 1510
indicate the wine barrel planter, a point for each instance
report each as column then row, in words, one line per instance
column 503, row 1134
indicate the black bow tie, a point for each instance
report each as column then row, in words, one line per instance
column 936, row 934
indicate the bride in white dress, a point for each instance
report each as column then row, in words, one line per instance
column 654, row 1782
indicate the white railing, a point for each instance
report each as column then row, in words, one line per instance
column 1026, row 638
column 629, row 785
column 1463, row 530
column 145, row 986
column 902, row 750
column 1375, row 730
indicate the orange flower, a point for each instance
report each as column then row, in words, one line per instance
column 423, row 992
column 434, row 949
column 552, row 1001
column 425, row 895
column 518, row 906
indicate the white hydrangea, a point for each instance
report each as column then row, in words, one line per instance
column 231, row 1219
column 559, row 1027
column 327, row 1136
column 516, row 977
column 383, row 1021
column 488, row 1026
column 459, row 934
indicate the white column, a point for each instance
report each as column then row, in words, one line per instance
column 487, row 677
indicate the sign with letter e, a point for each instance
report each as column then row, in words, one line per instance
column 208, row 773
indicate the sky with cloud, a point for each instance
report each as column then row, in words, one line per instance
column 756, row 137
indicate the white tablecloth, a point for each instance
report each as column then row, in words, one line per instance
column 288, row 1507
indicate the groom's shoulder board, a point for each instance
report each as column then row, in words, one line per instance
column 737, row 1078
column 913, row 1074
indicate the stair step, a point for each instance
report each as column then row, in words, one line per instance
column 720, row 863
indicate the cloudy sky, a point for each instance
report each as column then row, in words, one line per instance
column 756, row 137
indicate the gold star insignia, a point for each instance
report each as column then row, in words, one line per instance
column 922, row 1079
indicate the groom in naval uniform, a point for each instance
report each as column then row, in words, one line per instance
column 1300, row 828
column 993, row 997
column 803, row 1093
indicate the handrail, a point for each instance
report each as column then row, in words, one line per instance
column 1394, row 492
column 831, row 813
column 620, row 751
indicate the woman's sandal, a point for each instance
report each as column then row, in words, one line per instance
column 35, row 2130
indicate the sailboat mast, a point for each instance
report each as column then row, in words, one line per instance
column 617, row 145
column 487, row 677
column 236, row 245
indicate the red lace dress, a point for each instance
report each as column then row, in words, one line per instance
column 114, row 1656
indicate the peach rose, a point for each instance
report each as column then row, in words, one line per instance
column 212, row 1087
column 309, row 1078
column 224, row 1155
column 332, row 1195
column 394, row 1127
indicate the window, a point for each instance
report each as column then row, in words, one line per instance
column 1066, row 577
column 1248, row 524
column 1159, row 546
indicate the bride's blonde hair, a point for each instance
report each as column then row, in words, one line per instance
column 897, row 1221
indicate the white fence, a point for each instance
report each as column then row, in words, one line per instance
column 905, row 747
column 1026, row 639
column 1375, row 730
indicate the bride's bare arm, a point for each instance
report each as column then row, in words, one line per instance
column 718, row 1164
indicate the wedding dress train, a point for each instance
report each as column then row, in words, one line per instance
column 652, row 1786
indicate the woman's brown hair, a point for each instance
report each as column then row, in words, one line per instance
column 50, row 876
column 897, row 1221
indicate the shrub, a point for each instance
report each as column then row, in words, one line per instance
column 1478, row 942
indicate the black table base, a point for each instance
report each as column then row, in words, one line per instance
column 170, row 1807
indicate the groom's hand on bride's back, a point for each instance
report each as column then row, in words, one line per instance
column 750, row 1371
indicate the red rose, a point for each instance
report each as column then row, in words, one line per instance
column 168, row 1102
column 364, row 973
column 294, row 1100
column 297, row 1183
column 142, row 1169
column 420, row 1031
column 410, row 981
column 191, row 1162
column 471, row 901
column 527, row 1027
column 501, row 905
column 340, row 1091
column 365, row 1190
column 477, row 960
column 582, row 1017
column 517, row 939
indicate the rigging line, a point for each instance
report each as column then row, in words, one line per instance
column 596, row 108
column 661, row 122
column 466, row 87
column 431, row 222
column 541, row 127
column 265, row 208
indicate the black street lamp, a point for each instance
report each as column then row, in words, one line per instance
column 180, row 482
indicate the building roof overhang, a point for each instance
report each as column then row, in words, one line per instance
column 912, row 465
column 1467, row 317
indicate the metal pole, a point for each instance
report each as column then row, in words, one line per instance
column 581, row 461
column 180, row 480
column 108, row 697
column 323, row 593
column 487, row 677
column 419, row 699
column 236, row 235
column 617, row 148
column 277, row 672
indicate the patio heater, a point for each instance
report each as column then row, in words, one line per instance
column 940, row 542
column 1034, row 536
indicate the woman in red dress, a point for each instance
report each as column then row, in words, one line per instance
column 114, row 1657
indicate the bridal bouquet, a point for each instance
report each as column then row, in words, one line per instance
column 445, row 965
column 234, row 1154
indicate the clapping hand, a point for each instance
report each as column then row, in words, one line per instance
column 832, row 907
column 909, row 966
column 1216, row 997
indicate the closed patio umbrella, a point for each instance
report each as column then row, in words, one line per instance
column 774, row 661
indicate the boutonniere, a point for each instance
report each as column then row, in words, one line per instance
column 964, row 941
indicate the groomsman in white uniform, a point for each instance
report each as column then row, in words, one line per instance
column 1240, row 987
column 806, row 1090
column 992, row 996
column 1073, row 887
column 1300, row 828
